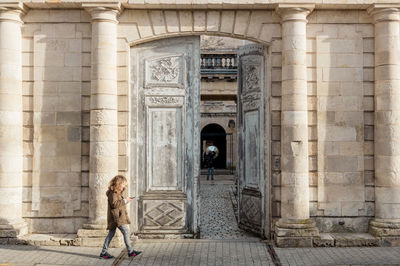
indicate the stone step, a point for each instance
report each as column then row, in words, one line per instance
column 346, row 240
column 67, row 240
column 325, row 240
column 219, row 172
column 48, row 239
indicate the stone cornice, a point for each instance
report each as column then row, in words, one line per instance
column 103, row 11
column 205, row 4
column 385, row 12
column 294, row 12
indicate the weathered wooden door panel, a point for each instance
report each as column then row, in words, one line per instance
column 251, row 134
column 165, row 85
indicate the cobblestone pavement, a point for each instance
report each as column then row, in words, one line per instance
column 217, row 218
column 339, row 256
column 57, row 255
column 201, row 252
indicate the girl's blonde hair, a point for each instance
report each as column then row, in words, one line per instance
column 116, row 183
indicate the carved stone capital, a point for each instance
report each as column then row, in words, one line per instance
column 294, row 12
column 384, row 12
column 12, row 11
column 103, row 12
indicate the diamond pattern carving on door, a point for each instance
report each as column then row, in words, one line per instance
column 251, row 210
column 163, row 215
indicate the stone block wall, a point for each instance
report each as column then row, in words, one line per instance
column 340, row 63
column 56, row 105
column 275, row 107
column 125, row 104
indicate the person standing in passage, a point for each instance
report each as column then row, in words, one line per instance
column 117, row 216
column 209, row 160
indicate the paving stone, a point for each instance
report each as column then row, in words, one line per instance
column 53, row 255
column 201, row 252
column 339, row 256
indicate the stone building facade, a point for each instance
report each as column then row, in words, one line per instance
column 91, row 89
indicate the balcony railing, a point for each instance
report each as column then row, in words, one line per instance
column 221, row 66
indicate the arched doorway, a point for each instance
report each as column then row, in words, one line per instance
column 166, row 127
column 214, row 134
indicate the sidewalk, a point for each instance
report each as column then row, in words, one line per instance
column 339, row 256
column 199, row 252
column 52, row 255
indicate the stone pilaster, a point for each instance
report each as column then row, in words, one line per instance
column 294, row 228
column 103, row 118
column 11, row 222
column 387, row 123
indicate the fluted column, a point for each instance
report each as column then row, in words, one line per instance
column 11, row 221
column 387, row 123
column 294, row 228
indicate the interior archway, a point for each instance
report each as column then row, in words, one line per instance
column 214, row 134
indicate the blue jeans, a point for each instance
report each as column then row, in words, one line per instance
column 210, row 171
column 125, row 232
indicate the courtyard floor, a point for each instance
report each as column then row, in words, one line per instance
column 221, row 243
column 217, row 216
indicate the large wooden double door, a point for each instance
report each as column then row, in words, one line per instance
column 165, row 137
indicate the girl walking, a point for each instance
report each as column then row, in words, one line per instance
column 117, row 216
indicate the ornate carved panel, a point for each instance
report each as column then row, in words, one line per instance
column 251, row 101
column 161, row 214
column 250, row 211
column 251, row 78
column 252, row 148
column 164, row 143
column 166, row 70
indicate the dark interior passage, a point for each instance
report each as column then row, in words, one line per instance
column 214, row 134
